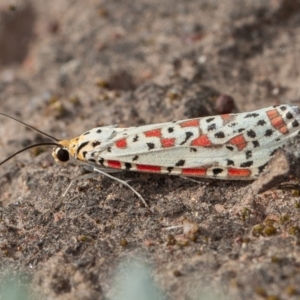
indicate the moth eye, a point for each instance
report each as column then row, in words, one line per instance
column 62, row 154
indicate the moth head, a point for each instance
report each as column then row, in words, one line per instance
column 65, row 149
column 61, row 153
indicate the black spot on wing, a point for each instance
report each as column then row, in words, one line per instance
column 136, row 138
column 289, row 115
column 268, row 132
column 220, row 135
column 193, row 149
column 101, row 161
column 230, row 162
column 217, row 171
column 212, row 127
column 180, row 163
column 251, row 134
column 170, row 169
column 282, row 107
column 241, row 130
column 95, row 143
column 99, row 131
column 295, row 123
column 170, row 129
column 108, row 149
column 248, row 154
column 255, row 144
column 261, row 168
column 150, row 146
column 261, row 123
column 188, row 134
column 208, row 120
column 86, row 133
column 135, row 158
column 230, row 148
column 251, row 115
column 81, row 146
column 128, row 166
column 273, row 152
column 246, row 164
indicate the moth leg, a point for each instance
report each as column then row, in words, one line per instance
column 96, row 172
column 88, row 176
column 100, row 171
column 80, row 177
column 106, row 170
column 190, row 179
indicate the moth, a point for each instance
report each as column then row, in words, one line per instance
column 230, row 146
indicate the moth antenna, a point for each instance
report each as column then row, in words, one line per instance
column 33, row 128
column 28, row 147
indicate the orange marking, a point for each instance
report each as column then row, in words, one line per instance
column 272, row 114
column 201, row 141
column 146, row 168
column 279, row 124
column 166, row 143
column 194, row 171
column 153, row 133
column 190, row 123
column 121, row 143
column 277, row 121
column 239, row 172
column 284, row 130
column 225, row 117
column 114, row 164
column 239, row 141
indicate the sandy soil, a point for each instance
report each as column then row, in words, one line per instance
column 68, row 66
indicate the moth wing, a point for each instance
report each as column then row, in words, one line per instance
column 243, row 140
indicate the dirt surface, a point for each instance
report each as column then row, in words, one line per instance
column 68, row 66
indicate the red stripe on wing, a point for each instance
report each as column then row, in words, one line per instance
column 114, row 164
column 194, row 171
column 146, row 168
column 239, row 172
